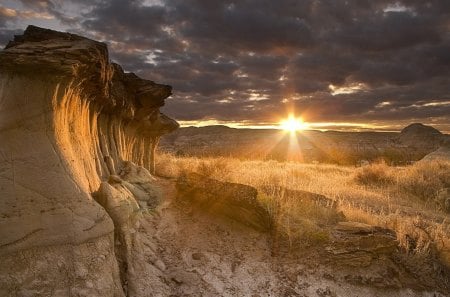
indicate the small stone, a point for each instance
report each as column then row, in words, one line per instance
column 354, row 227
column 160, row 265
column 177, row 280
column 197, row 256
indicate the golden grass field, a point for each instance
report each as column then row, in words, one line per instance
column 404, row 199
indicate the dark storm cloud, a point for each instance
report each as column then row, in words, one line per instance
column 5, row 35
column 129, row 18
column 351, row 60
column 235, row 25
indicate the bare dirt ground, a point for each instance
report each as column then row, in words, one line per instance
column 182, row 252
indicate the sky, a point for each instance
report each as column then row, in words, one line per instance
column 348, row 65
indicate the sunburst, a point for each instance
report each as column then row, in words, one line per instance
column 293, row 124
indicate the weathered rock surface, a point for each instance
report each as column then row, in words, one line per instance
column 312, row 204
column 124, row 198
column 68, row 119
column 357, row 244
column 141, row 184
column 300, row 197
column 235, row 201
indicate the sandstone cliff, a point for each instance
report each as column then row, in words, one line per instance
column 69, row 121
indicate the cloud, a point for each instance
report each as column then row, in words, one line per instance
column 253, row 60
column 8, row 14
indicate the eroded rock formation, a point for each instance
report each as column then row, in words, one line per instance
column 357, row 244
column 71, row 124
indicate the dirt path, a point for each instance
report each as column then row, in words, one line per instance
column 180, row 252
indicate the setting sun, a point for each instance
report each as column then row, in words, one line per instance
column 293, row 124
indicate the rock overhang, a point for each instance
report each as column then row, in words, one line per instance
column 63, row 56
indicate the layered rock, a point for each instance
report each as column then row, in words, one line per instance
column 357, row 244
column 68, row 118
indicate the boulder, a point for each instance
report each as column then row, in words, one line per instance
column 231, row 200
column 141, row 184
column 119, row 203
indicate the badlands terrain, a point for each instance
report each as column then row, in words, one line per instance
column 345, row 148
column 89, row 207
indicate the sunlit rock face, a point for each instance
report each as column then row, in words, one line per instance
column 69, row 119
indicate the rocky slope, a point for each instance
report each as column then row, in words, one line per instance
column 70, row 120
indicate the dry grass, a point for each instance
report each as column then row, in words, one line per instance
column 376, row 174
column 400, row 198
column 423, row 180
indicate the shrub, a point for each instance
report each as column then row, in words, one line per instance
column 425, row 179
column 215, row 168
column 374, row 174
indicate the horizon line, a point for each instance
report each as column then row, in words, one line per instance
column 318, row 126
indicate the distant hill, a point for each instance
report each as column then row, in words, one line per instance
column 420, row 136
column 419, row 129
column 411, row 144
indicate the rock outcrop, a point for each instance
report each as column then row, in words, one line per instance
column 72, row 124
column 357, row 244
column 235, row 201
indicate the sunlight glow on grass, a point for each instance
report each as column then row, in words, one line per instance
column 293, row 124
